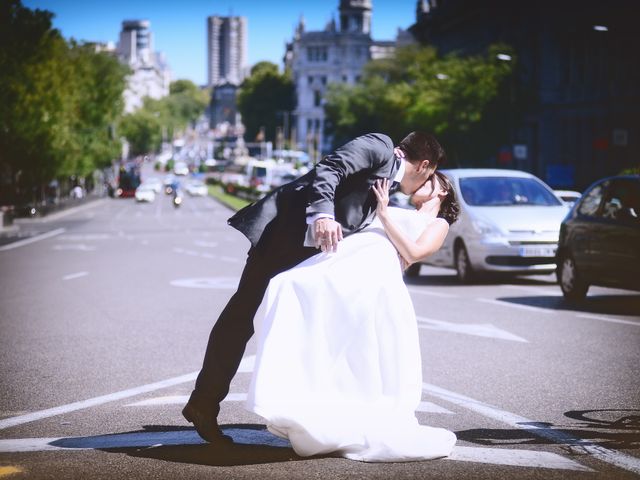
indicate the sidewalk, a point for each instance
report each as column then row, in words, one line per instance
column 62, row 210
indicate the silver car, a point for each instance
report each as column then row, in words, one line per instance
column 509, row 222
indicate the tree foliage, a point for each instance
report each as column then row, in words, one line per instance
column 58, row 102
column 463, row 100
column 262, row 98
column 165, row 117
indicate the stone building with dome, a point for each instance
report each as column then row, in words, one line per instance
column 336, row 54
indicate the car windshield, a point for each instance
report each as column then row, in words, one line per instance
column 505, row 191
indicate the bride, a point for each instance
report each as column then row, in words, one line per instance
column 338, row 367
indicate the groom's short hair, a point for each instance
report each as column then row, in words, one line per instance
column 422, row 146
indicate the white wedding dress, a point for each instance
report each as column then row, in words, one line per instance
column 338, row 367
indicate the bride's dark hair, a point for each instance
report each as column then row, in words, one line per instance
column 449, row 208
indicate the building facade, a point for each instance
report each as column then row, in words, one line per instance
column 226, row 50
column 150, row 75
column 223, row 107
column 577, row 67
column 336, row 54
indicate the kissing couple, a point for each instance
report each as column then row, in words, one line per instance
column 338, row 365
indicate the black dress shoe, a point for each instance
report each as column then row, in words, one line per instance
column 207, row 428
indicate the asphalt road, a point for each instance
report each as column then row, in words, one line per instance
column 105, row 311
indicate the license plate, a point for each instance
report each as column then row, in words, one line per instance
column 538, row 251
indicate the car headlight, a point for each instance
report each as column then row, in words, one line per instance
column 485, row 228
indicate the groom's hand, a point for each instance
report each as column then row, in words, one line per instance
column 327, row 233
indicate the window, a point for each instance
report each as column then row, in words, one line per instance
column 591, row 200
column 317, row 54
column 506, row 191
column 622, row 202
column 317, row 98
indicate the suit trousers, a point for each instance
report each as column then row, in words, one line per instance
column 234, row 327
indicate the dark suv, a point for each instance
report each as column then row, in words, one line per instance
column 600, row 238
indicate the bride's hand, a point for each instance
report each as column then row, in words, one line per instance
column 381, row 190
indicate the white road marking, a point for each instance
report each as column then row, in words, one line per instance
column 247, row 364
column 35, row 238
column 210, row 256
column 75, row 246
column 156, row 401
column 514, row 305
column 608, row 319
column 477, row 329
column 538, row 290
column 207, row 282
column 433, row 294
column 429, row 407
column 516, row 458
column 75, row 275
column 496, row 456
column 576, row 444
column 181, row 400
column 205, row 244
column 92, row 402
column 90, row 236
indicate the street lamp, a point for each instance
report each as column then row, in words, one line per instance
column 504, row 57
column 442, row 76
column 600, row 28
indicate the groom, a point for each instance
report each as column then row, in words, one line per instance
column 316, row 210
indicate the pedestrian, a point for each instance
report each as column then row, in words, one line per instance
column 338, row 367
column 333, row 200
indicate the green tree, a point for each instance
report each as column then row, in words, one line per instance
column 463, row 100
column 167, row 116
column 143, row 131
column 262, row 97
column 57, row 102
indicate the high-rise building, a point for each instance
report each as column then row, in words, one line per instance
column 150, row 75
column 226, row 50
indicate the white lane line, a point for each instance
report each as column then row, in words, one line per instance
column 516, row 458
column 496, row 456
column 477, row 329
column 36, row 238
column 75, row 275
column 157, row 401
column 432, row 294
column 247, row 364
column 89, row 236
column 538, row 290
column 181, row 400
column 430, row 407
column 92, row 402
column 607, row 319
column 81, row 247
column 514, row 305
column 575, row 444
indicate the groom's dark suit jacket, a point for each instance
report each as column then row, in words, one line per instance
column 340, row 185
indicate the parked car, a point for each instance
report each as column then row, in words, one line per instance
column 600, row 238
column 568, row 196
column 197, row 188
column 145, row 193
column 509, row 222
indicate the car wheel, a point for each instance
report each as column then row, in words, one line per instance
column 413, row 270
column 572, row 286
column 463, row 265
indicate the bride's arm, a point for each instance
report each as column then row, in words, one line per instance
column 430, row 239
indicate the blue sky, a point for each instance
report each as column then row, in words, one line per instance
column 179, row 27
